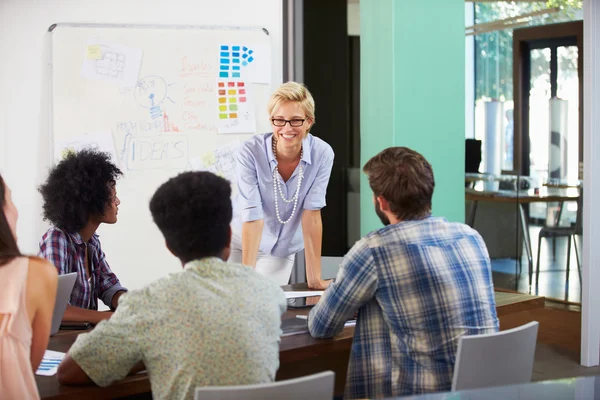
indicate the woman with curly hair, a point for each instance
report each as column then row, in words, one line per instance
column 26, row 304
column 79, row 195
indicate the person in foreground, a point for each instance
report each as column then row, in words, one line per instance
column 419, row 283
column 282, row 178
column 26, row 304
column 214, row 323
column 79, row 195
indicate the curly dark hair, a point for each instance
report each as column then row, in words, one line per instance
column 77, row 188
column 8, row 243
column 405, row 179
column 193, row 212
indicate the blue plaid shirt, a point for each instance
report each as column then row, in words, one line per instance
column 418, row 286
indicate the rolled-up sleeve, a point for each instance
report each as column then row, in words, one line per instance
column 250, row 200
column 315, row 198
column 108, row 284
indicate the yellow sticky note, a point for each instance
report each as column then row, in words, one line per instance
column 209, row 159
column 93, row 52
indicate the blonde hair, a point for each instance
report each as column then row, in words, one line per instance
column 293, row 92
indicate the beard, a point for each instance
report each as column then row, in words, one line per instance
column 384, row 219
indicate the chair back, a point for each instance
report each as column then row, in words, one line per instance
column 314, row 387
column 495, row 359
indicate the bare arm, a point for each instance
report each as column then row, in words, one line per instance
column 115, row 299
column 42, row 280
column 77, row 314
column 251, row 235
column 312, row 229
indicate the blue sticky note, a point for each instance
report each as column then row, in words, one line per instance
column 235, row 60
column 244, row 63
column 235, row 67
column 244, row 55
column 224, row 60
column 224, row 54
column 235, row 54
column 244, row 48
column 224, row 47
column 235, row 48
column 250, row 59
column 224, row 67
column 223, row 74
column 235, row 74
column 251, row 51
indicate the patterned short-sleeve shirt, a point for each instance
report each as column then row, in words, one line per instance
column 214, row 323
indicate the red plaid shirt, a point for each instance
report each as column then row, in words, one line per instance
column 67, row 252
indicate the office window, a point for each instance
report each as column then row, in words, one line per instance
column 494, row 61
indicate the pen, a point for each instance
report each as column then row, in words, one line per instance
column 302, row 316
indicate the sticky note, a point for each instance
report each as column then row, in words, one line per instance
column 209, row 158
column 223, row 74
column 233, row 115
column 222, row 100
column 223, row 116
column 222, row 92
column 242, row 99
column 223, row 47
column 242, row 91
column 93, row 52
column 235, row 74
column 222, row 108
column 233, row 107
column 232, row 100
column 231, row 92
column 221, row 84
column 240, row 84
column 230, row 84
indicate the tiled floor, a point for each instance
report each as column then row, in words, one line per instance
column 552, row 282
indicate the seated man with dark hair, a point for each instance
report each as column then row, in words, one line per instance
column 214, row 323
column 418, row 284
column 79, row 195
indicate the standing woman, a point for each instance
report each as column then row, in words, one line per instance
column 26, row 305
column 282, row 179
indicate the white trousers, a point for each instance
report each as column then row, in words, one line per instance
column 278, row 269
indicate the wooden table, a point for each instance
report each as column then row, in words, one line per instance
column 299, row 355
column 520, row 197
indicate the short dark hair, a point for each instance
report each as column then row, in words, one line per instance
column 405, row 179
column 77, row 188
column 8, row 243
column 193, row 212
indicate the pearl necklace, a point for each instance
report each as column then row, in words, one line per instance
column 277, row 188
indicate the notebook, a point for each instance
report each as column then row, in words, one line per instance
column 63, row 293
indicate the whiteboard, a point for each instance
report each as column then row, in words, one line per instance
column 161, row 100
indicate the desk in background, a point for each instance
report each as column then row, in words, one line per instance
column 299, row 355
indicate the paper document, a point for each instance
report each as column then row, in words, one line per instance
column 303, row 293
column 49, row 364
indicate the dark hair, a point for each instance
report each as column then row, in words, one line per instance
column 405, row 179
column 193, row 212
column 8, row 243
column 77, row 188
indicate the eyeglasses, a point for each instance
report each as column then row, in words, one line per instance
column 294, row 122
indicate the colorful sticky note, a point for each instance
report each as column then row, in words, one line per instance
column 235, row 54
column 224, row 54
column 244, row 48
column 235, row 60
column 233, row 115
column 222, row 108
column 244, row 63
column 222, row 116
column 231, row 84
column 223, row 74
column 235, row 74
column 222, row 100
column 242, row 91
column 93, row 52
column 224, row 60
column 251, row 51
column 244, row 55
column 242, row 99
column 208, row 159
column 223, row 47
column 240, row 84
column 232, row 100
column 233, row 107
column 250, row 59
column 221, row 84
column 235, row 48
column 231, row 92
column 224, row 67
column 235, row 67
column 221, row 91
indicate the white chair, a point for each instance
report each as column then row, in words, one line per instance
column 314, row 387
column 495, row 359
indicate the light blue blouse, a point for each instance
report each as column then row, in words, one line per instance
column 255, row 200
